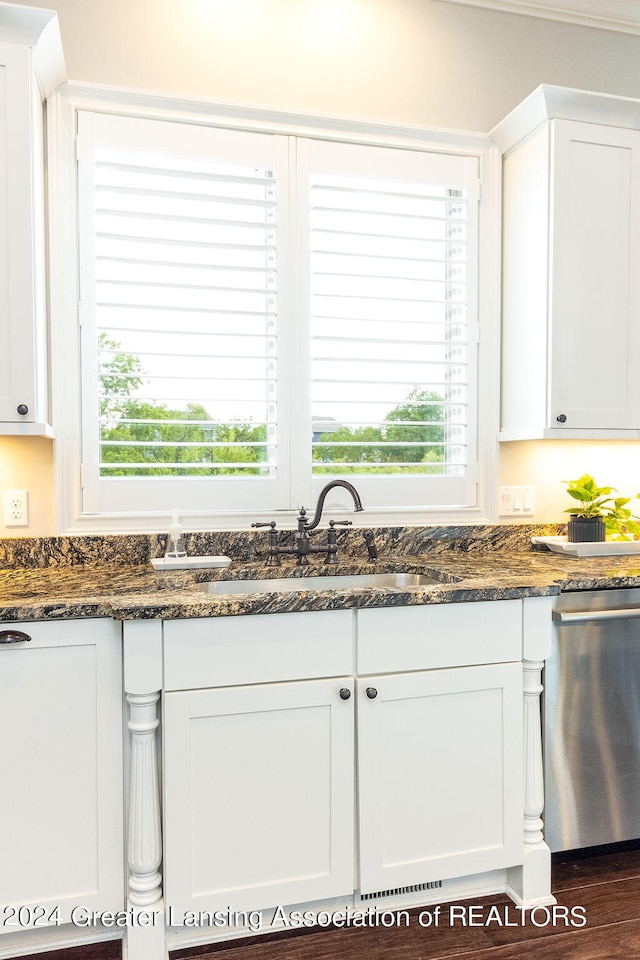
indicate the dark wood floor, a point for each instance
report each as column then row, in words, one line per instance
column 604, row 887
column 605, row 884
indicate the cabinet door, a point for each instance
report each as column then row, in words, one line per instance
column 21, row 281
column 595, row 283
column 61, row 799
column 258, row 790
column 439, row 774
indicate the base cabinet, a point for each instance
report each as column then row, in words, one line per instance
column 258, row 796
column 260, row 780
column 306, row 759
column 61, row 821
column 439, row 755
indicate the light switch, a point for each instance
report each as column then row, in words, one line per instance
column 517, row 501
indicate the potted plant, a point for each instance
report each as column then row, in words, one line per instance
column 597, row 514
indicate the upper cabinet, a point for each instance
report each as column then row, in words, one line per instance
column 571, row 286
column 31, row 66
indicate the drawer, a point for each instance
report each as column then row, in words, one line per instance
column 397, row 639
column 59, row 633
column 227, row 651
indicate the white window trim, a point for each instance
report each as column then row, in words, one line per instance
column 63, row 271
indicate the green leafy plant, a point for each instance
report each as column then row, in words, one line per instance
column 620, row 522
column 592, row 499
column 595, row 501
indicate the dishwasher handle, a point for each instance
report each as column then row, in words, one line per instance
column 567, row 617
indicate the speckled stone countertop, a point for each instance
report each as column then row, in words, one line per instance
column 64, row 578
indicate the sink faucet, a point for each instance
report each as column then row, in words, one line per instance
column 303, row 546
column 357, row 503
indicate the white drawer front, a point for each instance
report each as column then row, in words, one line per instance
column 396, row 639
column 227, row 651
column 57, row 633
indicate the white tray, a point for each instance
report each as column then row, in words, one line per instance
column 609, row 548
column 189, row 563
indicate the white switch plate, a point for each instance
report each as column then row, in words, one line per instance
column 517, row 501
column 16, row 508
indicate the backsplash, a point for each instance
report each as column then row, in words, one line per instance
column 251, row 546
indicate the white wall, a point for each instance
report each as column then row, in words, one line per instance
column 422, row 62
column 408, row 61
column 547, row 463
column 27, row 464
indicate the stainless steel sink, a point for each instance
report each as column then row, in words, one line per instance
column 282, row 585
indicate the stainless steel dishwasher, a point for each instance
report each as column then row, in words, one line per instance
column 592, row 720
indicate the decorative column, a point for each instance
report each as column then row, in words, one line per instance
column 529, row 883
column 145, row 931
column 145, row 835
column 533, row 769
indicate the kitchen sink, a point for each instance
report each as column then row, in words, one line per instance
column 297, row 584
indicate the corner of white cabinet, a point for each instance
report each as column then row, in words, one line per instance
column 529, row 884
column 537, row 627
column 142, row 656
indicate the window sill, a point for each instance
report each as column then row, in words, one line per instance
column 196, row 522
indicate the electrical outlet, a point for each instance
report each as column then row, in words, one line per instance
column 16, row 508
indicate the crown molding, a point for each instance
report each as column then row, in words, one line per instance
column 39, row 29
column 620, row 15
column 548, row 102
column 101, row 98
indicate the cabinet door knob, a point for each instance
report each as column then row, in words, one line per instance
column 561, row 418
column 372, row 693
column 13, row 636
column 345, row 693
column 22, row 409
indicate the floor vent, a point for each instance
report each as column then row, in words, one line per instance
column 402, row 891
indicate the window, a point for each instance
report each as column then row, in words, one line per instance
column 392, row 287
column 261, row 313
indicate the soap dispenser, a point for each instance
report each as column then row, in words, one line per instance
column 175, row 542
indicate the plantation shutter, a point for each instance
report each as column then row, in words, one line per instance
column 181, row 346
column 261, row 313
column 393, row 322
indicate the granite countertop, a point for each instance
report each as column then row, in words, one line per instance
column 132, row 591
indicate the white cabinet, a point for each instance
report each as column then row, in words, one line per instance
column 440, row 757
column 31, row 65
column 439, row 750
column 260, row 777
column 61, row 818
column 259, row 795
column 571, row 287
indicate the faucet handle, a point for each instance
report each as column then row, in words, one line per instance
column 342, row 523
column 273, row 554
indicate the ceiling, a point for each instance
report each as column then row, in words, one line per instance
column 620, row 15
